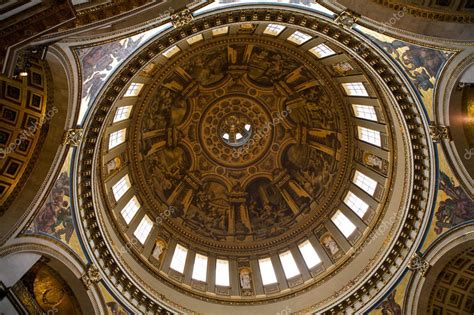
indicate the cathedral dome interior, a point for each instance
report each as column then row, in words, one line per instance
column 265, row 157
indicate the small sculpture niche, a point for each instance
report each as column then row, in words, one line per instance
column 114, row 164
column 159, row 249
column 330, row 244
column 245, row 276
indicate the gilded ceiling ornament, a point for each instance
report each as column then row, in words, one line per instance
column 182, row 18
column 439, row 133
column 347, row 18
column 73, row 137
column 418, row 263
column 91, row 276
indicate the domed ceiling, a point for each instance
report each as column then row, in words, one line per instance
column 246, row 138
column 248, row 163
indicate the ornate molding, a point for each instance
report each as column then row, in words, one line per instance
column 182, row 18
column 428, row 12
column 439, row 133
column 73, row 137
column 91, row 276
column 418, row 264
column 347, row 18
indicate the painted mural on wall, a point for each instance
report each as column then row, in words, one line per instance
column 455, row 209
column 113, row 306
column 55, row 216
column 421, row 64
column 99, row 62
column 389, row 306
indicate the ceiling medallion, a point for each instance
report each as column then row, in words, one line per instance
column 235, row 129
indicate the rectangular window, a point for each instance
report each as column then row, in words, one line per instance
column 311, row 258
column 343, row 223
column 121, row 187
column 274, row 29
column 130, row 209
column 116, row 138
column 365, row 112
column 266, row 271
column 289, row 265
column 322, row 50
column 170, row 52
column 143, row 229
column 356, row 204
column 179, row 258
column 222, row 273
column 365, row 183
column 134, row 89
column 220, row 31
column 200, row 268
column 355, row 89
column 122, row 113
column 299, row 38
column 369, row 135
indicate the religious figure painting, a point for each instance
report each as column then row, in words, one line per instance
column 455, row 209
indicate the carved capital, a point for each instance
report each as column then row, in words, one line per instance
column 91, row 276
column 181, row 18
column 347, row 18
column 73, row 137
column 439, row 133
column 417, row 263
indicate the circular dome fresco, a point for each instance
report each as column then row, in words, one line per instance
column 248, row 158
column 246, row 138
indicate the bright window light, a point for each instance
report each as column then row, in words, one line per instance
column 143, row 229
column 355, row 89
column 195, row 39
column 356, row 204
column 289, row 265
column 369, row 135
column 274, row 29
column 365, row 112
column 220, row 31
column 222, row 273
column 121, row 187
column 266, row 271
column 200, row 268
column 322, row 50
column 343, row 223
column 134, row 89
column 365, row 182
column 299, row 38
column 170, row 52
column 117, row 138
column 122, row 113
column 179, row 258
column 311, row 258
column 130, row 209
